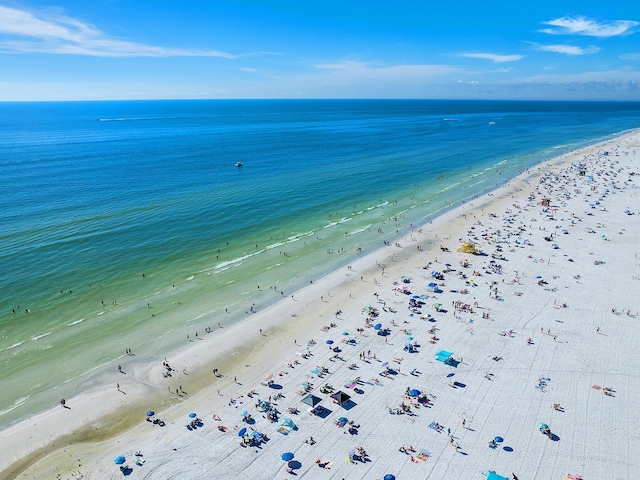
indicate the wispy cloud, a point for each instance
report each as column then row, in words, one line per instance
column 589, row 28
column 635, row 56
column 568, row 49
column 359, row 69
column 25, row 32
column 493, row 57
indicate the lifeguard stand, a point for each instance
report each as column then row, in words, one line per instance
column 467, row 247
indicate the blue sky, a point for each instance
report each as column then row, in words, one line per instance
column 469, row 49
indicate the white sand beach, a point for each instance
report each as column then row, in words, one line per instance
column 542, row 328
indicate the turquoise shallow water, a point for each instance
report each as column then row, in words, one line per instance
column 112, row 211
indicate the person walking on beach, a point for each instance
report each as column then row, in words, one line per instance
column 118, row 386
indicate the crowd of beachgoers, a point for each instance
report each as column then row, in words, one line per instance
column 495, row 342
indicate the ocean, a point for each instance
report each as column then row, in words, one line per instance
column 129, row 225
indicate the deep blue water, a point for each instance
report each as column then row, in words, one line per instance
column 97, row 193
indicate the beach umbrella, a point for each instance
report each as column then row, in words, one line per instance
column 242, row 431
column 192, row 415
column 377, row 326
column 315, row 371
column 543, row 426
column 498, row 439
column 119, row 460
column 244, row 413
column 414, row 393
column 385, row 364
column 343, row 420
column 329, row 342
column 287, row 456
column 150, row 413
column 388, row 476
column 269, row 377
column 495, row 476
column 409, row 338
column 345, row 333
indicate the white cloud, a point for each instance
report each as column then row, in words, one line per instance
column 24, row 32
column 635, row 56
column 495, row 58
column 590, row 28
column 363, row 69
column 568, row 49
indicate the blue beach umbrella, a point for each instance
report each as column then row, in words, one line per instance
column 414, row 392
column 119, row 460
column 409, row 338
column 388, row 476
column 343, row 420
column 150, row 413
column 242, row 432
column 329, row 342
column 192, row 415
column 378, row 326
column 498, row 439
column 287, row 456
column 244, row 413
column 345, row 333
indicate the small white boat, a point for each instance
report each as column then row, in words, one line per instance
column 238, row 164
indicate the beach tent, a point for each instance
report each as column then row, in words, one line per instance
column 340, row 397
column 432, row 287
column 443, row 356
column 495, row 476
column 467, row 247
column 311, row 400
column 287, row 422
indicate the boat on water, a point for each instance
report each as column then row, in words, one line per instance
column 238, row 164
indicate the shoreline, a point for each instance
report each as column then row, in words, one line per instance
column 242, row 344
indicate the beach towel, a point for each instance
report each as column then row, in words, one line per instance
column 436, row 427
column 424, row 455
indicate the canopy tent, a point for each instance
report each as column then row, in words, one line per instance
column 443, row 356
column 311, row 400
column 495, row 476
column 432, row 287
column 340, row 397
